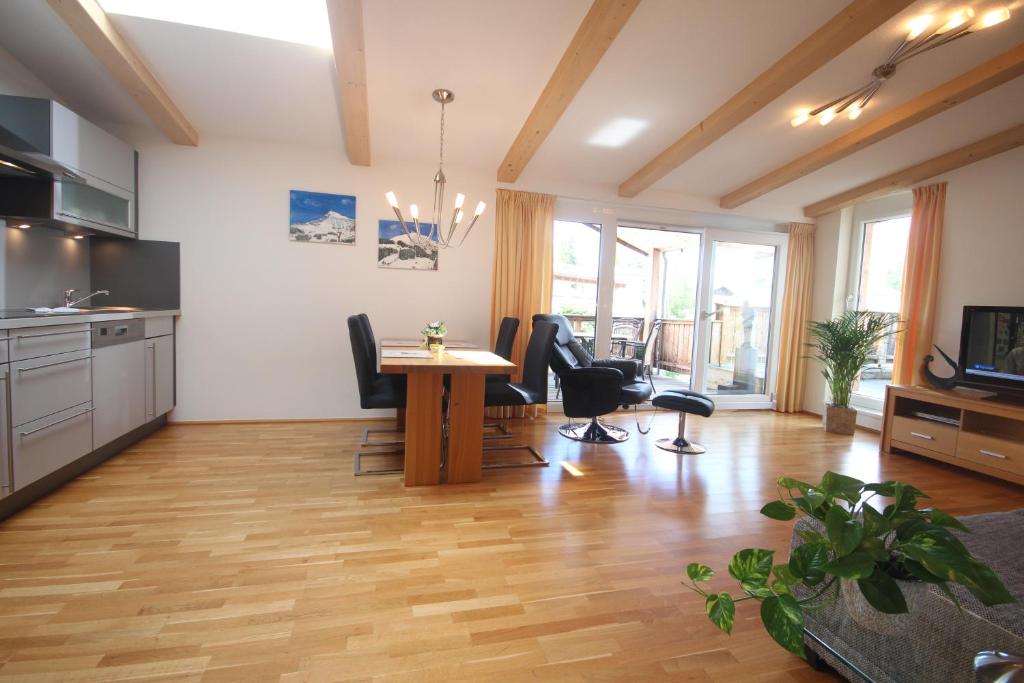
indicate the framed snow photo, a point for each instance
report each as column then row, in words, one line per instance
column 321, row 218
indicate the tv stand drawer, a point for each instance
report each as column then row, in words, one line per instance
column 993, row 451
column 928, row 434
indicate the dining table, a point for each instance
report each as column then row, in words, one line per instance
column 426, row 440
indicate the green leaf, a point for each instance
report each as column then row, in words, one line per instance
column 699, row 572
column 874, row 523
column 882, row 593
column 918, row 571
column 856, row 565
column 752, row 566
column 784, row 620
column 844, row 533
column 988, row 587
column 811, row 508
column 808, row 562
column 721, row 611
column 834, row 485
column 785, row 575
column 788, row 483
column 779, row 510
column 874, row 547
column 811, row 536
column 941, row 518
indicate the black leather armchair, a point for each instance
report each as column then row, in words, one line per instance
column 590, row 393
column 569, row 354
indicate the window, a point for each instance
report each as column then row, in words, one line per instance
column 576, row 259
column 883, row 250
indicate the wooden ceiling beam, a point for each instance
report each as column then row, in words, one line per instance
column 855, row 21
column 93, row 27
column 593, row 38
column 346, row 19
column 906, row 178
column 978, row 80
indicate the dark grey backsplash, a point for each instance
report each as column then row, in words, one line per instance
column 39, row 264
column 140, row 273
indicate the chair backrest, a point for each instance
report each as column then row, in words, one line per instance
column 369, row 331
column 567, row 353
column 364, row 353
column 538, row 356
column 651, row 343
column 506, row 337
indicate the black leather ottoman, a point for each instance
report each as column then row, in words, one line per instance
column 685, row 403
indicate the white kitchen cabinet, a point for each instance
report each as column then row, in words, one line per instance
column 6, row 464
column 159, row 376
column 45, row 445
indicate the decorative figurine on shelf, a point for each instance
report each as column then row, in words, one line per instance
column 935, row 380
column 434, row 333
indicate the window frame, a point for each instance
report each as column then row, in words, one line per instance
column 853, row 288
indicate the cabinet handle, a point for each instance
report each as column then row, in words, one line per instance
column 9, row 426
column 50, row 365
column 152, row 379
column 54, row 424
column 51, row 334
column 922, row 436
column 992, row 454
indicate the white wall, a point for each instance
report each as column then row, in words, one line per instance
column 982, row 246
column 263, row 332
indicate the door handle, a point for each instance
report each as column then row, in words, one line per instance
column 992, row 454
column 54, row 424
column 705, row 315
column 922, row 436
column 50, row 365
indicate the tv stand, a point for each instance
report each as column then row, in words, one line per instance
column 983, row 435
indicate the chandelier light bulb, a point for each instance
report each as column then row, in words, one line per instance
column 414, row 211
column 479, row 209
column 459, row 199
column 996, row 16
column 800, row 119
column 855, row 111
column 458, row 216
column 956, row 20
column 826, row 116
column 392, row 200
column 917, row 25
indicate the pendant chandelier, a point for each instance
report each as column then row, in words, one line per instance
column 958, row 24
column 443, row 235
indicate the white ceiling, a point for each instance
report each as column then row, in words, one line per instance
column 673, row 63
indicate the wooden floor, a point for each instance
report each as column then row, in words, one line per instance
column 251, row 553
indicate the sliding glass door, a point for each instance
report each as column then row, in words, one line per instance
column 740, row 302
column 698, row 307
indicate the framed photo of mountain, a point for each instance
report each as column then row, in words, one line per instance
column 404, row 248
column 321, row 218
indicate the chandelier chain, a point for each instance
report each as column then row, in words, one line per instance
column 441, row 159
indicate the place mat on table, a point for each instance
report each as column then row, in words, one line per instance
column 403, row 353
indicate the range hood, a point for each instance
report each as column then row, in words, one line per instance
column 59, row 170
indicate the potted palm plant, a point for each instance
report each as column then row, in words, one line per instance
column 843, row 346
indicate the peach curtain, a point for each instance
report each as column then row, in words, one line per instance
column 796, row 309
column 523, row 225
column 920, row 283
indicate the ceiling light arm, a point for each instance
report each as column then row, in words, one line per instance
column 933, row 41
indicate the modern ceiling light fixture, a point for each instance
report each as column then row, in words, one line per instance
column 444, row 236
column 917, row 41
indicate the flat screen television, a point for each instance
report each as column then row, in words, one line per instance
column 992, row 347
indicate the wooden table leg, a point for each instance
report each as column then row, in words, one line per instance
column 466, row 429
column 423, row 429
column 400, row 420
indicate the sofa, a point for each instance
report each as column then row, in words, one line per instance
column 939, row 642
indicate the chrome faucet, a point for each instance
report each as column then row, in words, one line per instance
column 69, row 293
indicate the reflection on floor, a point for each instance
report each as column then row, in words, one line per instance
column 249, row 552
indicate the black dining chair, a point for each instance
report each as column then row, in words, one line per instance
column 376, row 390
column 533, row 390
column 645, row 352
column 503, row 343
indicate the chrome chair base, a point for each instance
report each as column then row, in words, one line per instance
column 593, row 432
column 680, row 446
column 368, row 442
column 537, row 461
column 358, row 466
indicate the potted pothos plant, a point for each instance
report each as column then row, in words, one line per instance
column 881, row 558
column 434, row 333
column 843, row 347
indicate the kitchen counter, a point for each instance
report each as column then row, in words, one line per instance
column 13, row 319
